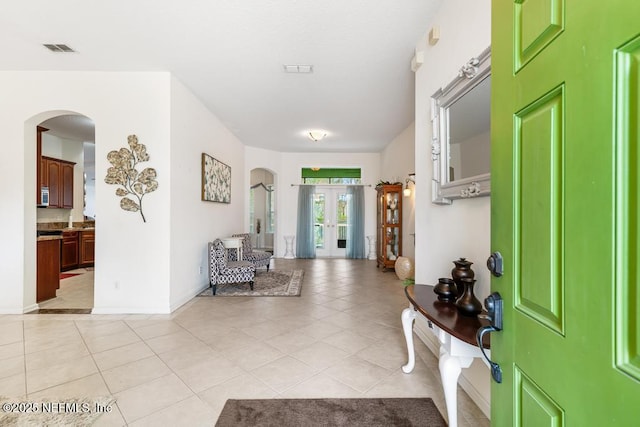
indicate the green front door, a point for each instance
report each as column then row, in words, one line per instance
column 566, row 212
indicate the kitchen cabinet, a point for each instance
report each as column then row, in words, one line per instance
column 69, row 256
column 48, row 268
column 87, row 247
column 57, row 175
column 388, row 224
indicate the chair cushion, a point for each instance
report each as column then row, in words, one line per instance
column 259, row 258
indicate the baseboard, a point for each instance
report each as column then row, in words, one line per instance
column 130, row 310
column 421, row 330
column 186, row 298
column 18, row 310
column 31, row 308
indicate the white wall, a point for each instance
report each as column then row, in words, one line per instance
column 132, row 257
column 397, row 162
column 194, row 223
column 445, row 233
column 287, row 167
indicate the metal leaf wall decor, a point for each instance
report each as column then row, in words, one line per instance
column 123, row 172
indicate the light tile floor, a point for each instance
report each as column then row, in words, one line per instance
column 341, row 338
column 74, row 292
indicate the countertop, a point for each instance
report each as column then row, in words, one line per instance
column 59, row 237
column 78, row 229
column 43, row 238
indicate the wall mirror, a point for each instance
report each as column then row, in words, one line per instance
column 461, row 147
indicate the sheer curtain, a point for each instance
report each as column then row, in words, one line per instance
column 355, row 234
column 305, row 244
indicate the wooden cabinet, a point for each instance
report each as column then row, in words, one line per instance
column 58, row 176
column 389, row 224
column 78, row 248
column 69, row 256
column 87, row 247
column 48, row 269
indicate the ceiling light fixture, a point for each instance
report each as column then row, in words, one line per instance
column 316, row 135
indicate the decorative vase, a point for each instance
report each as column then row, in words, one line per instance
column 462, row 269
column 404, row 268
column 445, row 289
column 467, row 303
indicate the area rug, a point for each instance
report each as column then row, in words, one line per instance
column 53, row 412
column 330, row 412
column 274, row 283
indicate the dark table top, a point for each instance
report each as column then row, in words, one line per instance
column 445, row 315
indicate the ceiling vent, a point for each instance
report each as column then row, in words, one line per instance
column 59, row 48
column 298, row 68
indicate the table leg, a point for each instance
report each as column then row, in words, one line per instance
column 450, row 368
column 408, row 316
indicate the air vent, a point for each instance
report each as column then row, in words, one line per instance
column 298, row 68
column 59, row 48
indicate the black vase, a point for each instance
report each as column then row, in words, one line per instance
column 467, row 303
column 445, row 289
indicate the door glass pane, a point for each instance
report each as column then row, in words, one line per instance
column 318, row 219
column 341, row 220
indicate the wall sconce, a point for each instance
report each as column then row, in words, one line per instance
column 407, row 190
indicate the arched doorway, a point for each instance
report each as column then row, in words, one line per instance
column 65, row 172
column 262, row 209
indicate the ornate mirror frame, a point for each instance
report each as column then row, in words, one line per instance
column 443, row 190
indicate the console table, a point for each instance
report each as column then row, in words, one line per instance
column 457, row 336
column 233, row 243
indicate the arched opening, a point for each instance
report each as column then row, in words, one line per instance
column 65, row 195
column 262, row 209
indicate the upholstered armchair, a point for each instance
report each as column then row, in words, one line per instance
column 222, row 271
column 258, row 258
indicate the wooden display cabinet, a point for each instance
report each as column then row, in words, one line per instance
column 389, row 224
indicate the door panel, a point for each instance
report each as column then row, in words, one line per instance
column 565, row 112
column 536, row 24
column 538, row 172
column 628, row 287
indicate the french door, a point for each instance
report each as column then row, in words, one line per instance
column 330, row 221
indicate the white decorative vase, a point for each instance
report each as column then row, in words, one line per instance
column 404, row 268
column 288, row 253
column 372, row 248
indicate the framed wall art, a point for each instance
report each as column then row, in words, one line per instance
column 216, row 180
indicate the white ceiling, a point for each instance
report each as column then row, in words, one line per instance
column 231, row 53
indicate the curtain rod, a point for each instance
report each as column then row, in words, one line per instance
column 261, row 185
column 333, row 185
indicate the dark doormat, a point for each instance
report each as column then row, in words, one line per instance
column 330, row 412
